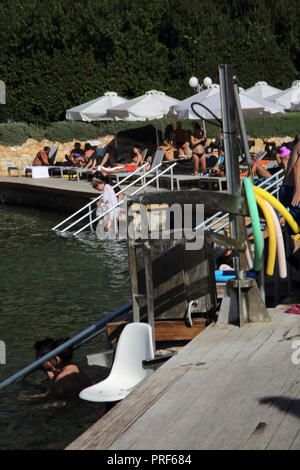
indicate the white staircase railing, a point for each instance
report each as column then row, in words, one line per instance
column 155, row 178
column 143, row 176
column 87, row 206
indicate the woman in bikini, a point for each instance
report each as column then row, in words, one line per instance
column 198, row 150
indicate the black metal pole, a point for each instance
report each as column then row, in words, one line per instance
column 231, row 159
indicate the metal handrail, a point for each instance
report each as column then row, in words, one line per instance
column 96, row 199
column 123, row 200
column 73, row 341
column 263, row 183
column 93, row 210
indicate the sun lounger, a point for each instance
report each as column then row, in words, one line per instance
column 211, row 183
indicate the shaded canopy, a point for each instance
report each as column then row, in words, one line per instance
column 261, row 90
column 289, row 99
column 250, row 107
column 95, row 110
column 152, row 105
column 176, row 109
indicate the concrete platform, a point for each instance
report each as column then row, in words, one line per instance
column 55, row 193
column 229, row 388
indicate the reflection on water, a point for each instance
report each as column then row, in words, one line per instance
column 54, row 286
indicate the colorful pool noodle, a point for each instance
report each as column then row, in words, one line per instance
column 223, row 276
column 279, row 207
column 282, row 266
column 258, row 242
column 272, row 235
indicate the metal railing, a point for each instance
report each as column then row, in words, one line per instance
column 77, row 341
column 90, row 204
column 216, row 218
column 155, row 178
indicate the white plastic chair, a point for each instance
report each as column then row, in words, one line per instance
column 134, row 346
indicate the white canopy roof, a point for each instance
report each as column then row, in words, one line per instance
column 250, row 107
column 177, row 109
column 95, row 110
column 152, row 105
column 289, row 99
column 261, row 90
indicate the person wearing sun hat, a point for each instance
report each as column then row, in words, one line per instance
column 283, row 156
column 284, row 152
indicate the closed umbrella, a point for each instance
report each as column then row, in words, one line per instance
column 95, row 110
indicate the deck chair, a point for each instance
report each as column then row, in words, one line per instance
column 122, row 174
column 52, row 154
column 259, row 156
column 134, row 346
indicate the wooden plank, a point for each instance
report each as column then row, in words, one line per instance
column 165, row 330
column 169, row 419
column 249, row 384
column 119, row 418
column 174, row 435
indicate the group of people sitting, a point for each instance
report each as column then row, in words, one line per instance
column 178, row 142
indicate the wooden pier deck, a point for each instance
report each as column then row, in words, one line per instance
column 229, row 388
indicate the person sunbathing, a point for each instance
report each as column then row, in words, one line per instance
column 282, row 157
column 66, row 379
column 41, row 158
column 168, row 150
column 100, row 157
column 75, row 153
column 135, row 163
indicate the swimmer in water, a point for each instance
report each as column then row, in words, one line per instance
column 66, row 379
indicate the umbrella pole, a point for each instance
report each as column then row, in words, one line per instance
column 204, row 128
column 156, row 132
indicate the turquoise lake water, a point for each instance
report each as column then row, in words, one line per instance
column 55, row 286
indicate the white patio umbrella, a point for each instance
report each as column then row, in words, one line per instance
column 186, row 103
column 290, row 98
column 250, row 107
column 261, row 90
column 95, row 110
column 152, row 105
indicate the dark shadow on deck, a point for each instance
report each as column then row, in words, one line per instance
column 284, row 404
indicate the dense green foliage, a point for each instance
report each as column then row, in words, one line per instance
column 66, row 131
column 55, row 54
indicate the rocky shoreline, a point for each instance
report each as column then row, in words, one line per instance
column 23, row 155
